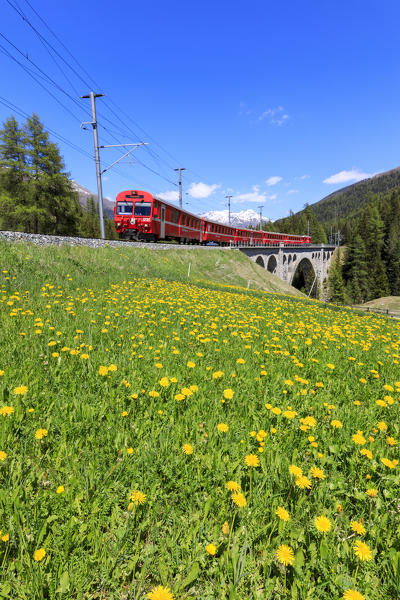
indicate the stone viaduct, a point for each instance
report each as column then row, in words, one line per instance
column 294, row 262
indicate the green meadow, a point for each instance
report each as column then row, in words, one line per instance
column 167, row 437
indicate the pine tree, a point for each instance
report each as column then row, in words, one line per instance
column 355, row 271
column 336, row 289
column 13, row 159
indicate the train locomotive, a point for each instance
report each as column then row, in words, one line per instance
column 140, row 216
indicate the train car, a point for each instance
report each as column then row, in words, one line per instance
column 217, row 233
column 139, row 215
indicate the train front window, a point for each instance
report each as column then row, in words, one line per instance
column 124, row 208
column 142, row 209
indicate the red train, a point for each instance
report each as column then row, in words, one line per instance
column 141, row 216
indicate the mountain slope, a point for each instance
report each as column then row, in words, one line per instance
column 347, row 200
column 84, row 194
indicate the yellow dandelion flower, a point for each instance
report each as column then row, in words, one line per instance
column 211, row 549
column 388, row 463
column 362, row 550
column 20, row 390
column 218, row 374
column 103, row 371
column 366, row 452
column 239, row 499
column 222, row 427
column 187, row 449
column 285, row 555
column 3, row 455
column 282, row 513
column 372, row 492
column 5, row 537
column 41, row 433
column 191, row 364
column 60, row 489
column 153, row 394
column 252, row 460
column 295, row 471
column 303, row 482
column 160, row 593
column 164, row 382
column 358, row 438
column 317, row 473
column 179, row 397
column 322, row 524
column 225, row 528
column 6, row 410
column 382, row 426
column 232, row 486
column 124, row 413
column 39, row 554
column 352, row 595
column 129, row 451
column 138, row 497
column 358, row 527
column 336, row 424
column 228, row 394
column 391, row 441
column 289, row 414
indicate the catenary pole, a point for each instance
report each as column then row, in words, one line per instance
column 229, row 209
column 260, row 209
column 93, row 97
column 180, row 169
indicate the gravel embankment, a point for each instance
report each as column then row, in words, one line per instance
column 60, row 240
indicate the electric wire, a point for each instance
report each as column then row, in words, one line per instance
column 155, row 156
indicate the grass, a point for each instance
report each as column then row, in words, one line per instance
column 134, row 399
column 221, row 267
column 387, row 303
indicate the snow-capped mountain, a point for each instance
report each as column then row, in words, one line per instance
column 243, row 218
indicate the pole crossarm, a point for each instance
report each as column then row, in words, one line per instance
column 124, row 155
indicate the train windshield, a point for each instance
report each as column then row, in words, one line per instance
column 142, row 209
column 124, row 208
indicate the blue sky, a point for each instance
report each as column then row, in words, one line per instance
column 277, row 103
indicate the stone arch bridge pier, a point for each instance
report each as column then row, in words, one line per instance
column 304, row 267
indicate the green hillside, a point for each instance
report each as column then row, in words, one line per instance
column 347, row 200
column 222, row 268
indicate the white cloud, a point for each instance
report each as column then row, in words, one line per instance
column 303, row 177
column 346, row 176
column 253, row 196
column 276, row 116
column 170, row 196
column 272, row 197
column 202, row 190
column 273, row 180
column 292, row 191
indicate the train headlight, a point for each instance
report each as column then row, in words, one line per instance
column 133, row 221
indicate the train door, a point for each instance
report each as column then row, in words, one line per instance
column 162, row 222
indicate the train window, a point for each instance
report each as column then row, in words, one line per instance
column 124, row 208
column 142, row 209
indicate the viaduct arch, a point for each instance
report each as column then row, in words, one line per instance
column 305, row 267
